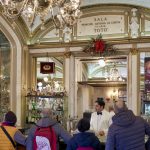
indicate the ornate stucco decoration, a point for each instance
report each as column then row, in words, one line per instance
column 134, row 24
column 134, row 51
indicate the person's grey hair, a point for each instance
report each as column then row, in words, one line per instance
column 120, row 106
column 46, row 112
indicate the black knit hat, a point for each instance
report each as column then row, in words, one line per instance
column 10, row 117
column 83, row 125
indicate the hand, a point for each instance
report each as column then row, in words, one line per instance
column 101, row 133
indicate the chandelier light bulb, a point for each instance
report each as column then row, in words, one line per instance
column 45, row 79
column 56, row 84
column 40, row 84
column 102, row 62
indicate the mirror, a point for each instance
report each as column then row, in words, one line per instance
column 4, row 75
column 106, row 79
column 54, row 80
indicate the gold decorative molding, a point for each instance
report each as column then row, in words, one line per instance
column 67, row 54
column 134, row 51
column 25, row 48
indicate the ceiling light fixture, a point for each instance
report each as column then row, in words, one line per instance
column 64, row 13
column 114, row 75
column 45, row 79
column 102, row 62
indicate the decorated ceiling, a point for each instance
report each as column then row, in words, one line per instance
column 88, row 7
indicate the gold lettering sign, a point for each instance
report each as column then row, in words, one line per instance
column 46, row 67
column 104, row 24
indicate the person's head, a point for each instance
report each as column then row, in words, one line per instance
column 83, row 125
column 10, row 118
column 120, row 106
column 111, row 108
column 46, row 113
column 99, row 104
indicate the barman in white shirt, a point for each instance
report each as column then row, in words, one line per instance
column 100, row 120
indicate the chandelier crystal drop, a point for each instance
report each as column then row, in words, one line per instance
column 114, row 75
column 65, row 15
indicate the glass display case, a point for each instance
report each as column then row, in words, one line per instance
column 146, row 108
column 36, row 103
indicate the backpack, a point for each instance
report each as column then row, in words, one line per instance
column 85, row 148
column 44, row 139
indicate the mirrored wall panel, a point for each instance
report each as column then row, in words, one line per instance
column 4, row 75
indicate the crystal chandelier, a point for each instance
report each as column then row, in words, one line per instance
column 65, row 15
column 114, row 75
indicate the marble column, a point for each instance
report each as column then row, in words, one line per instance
column 133, row 101
column 70, row 84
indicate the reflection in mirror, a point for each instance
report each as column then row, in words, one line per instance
column 108, row 81
column 52, row 81
column 4, row 75
column 50, row 92
column 145, row 82
column 115, row 69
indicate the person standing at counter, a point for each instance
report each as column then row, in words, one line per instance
column 100, row 120
column 84, row 138
column 44, row 122
column 127, row 130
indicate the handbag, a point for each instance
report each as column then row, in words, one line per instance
column 9, row 137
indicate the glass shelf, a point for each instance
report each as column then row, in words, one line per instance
column 36, row 103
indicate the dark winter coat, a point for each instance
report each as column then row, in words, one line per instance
column 147, row 144
column 84, row 139
column 127, row 132
column 46, row 122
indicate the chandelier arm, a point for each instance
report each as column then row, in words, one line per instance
column 53, row 19
column 66, row 17
column 63, row 19
column 64, row 2
column 33, row 18
column 65, row 22
column 19, row 12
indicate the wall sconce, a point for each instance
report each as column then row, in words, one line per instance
column 114, row 95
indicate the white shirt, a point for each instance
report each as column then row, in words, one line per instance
column 100, row 123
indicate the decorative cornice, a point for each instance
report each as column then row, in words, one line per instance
column 84, row 43
column 67, row 54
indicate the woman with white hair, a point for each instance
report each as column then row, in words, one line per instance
column 45, row 122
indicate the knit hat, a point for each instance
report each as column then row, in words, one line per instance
column 10, row 117
column 83, row 125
